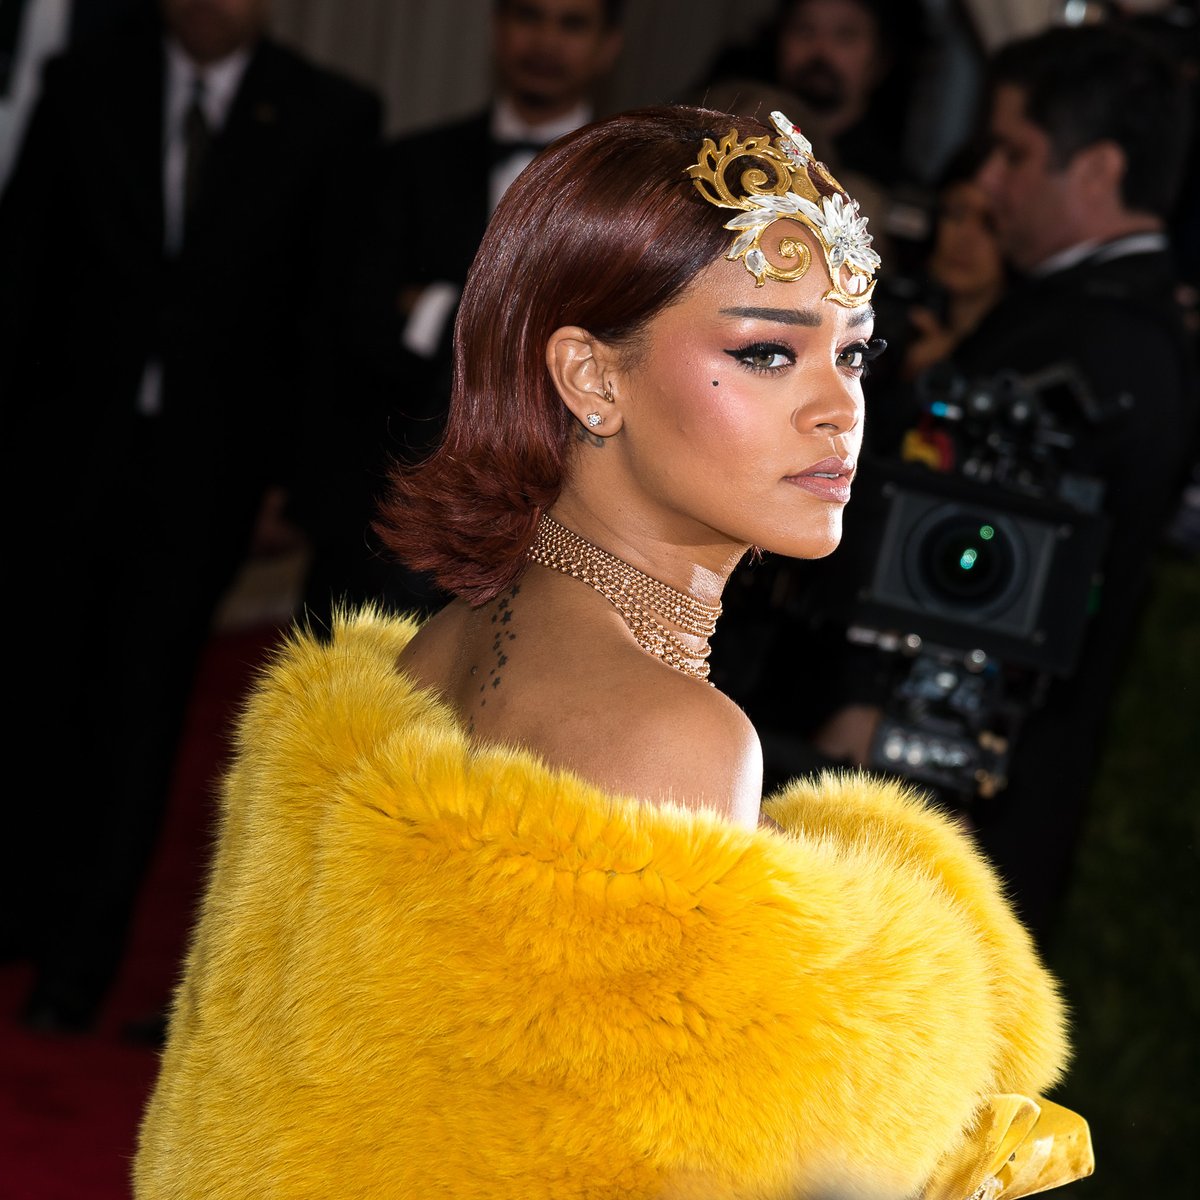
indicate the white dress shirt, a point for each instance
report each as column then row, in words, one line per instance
column 1148, row 242
column 507, row 126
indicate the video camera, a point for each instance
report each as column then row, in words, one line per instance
column 976, row 580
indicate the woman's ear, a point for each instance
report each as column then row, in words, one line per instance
column 584, row 371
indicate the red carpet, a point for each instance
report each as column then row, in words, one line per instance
column 70, row 1106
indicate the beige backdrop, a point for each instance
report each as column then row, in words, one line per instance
column 429, row 58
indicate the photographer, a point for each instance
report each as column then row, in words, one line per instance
column 1089, row 131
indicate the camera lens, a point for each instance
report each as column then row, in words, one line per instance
column 964, row 563
column 966, row 560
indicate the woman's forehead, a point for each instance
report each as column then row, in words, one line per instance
column 725, row 289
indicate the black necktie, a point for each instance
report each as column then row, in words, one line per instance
column 197, row 134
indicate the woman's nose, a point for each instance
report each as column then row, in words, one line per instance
column 836, row 413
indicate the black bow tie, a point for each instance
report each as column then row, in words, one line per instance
column 502, row 151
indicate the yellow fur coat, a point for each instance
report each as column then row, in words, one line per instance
column 430, row 968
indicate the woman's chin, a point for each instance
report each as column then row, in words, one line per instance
column 812, row 543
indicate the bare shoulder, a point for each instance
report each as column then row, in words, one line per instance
column 593, row 703
column 668, row 739
column 429, row 656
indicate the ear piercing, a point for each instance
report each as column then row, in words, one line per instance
column 594, row 418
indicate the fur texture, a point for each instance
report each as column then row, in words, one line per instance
column 426, row 967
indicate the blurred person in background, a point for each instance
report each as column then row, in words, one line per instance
column 966, row 268
column 836, row 55
column 173, row 235
column 549, row 59
column 850, row 63
column 928, row 310
column 1089, row 128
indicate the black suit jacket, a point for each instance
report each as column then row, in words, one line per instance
column 126, row 529
column 435, row 189
column 424, row 182
column 237, row 319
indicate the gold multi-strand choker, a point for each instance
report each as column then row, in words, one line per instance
column 639, row 598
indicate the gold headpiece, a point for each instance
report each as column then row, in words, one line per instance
column 793, row 186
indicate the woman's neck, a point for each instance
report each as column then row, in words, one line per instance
column 700, row 571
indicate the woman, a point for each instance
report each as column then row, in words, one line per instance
column 491, row 913
column 961, row 276
column 965, row 265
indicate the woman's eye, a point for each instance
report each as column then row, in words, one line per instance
column 764, row 356
column 853, row 357
column 860, row 355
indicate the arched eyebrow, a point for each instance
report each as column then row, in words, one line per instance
column 811, row 318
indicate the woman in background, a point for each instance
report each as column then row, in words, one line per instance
column 966, row 266
column 496, row 910
column 926, row 313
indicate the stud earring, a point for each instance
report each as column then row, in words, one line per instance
column 594, row 419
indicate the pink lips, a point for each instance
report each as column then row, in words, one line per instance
column 829, row 479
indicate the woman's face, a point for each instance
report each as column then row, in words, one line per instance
column 966, row 255
column 743, row 410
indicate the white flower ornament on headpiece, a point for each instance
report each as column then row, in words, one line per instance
column 793, row 186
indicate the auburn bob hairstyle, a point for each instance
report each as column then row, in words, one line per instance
column 604, row 229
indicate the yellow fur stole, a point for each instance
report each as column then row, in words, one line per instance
column 426, row 967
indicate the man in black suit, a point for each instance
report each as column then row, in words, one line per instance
column 170, row 306
column 1089, row 132
column 438, row 188
column 549, row 56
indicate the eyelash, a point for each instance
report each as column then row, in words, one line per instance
column 762, row 350
column 868, row 352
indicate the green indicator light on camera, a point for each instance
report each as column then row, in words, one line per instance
column 968, row 559
column 986, row 532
